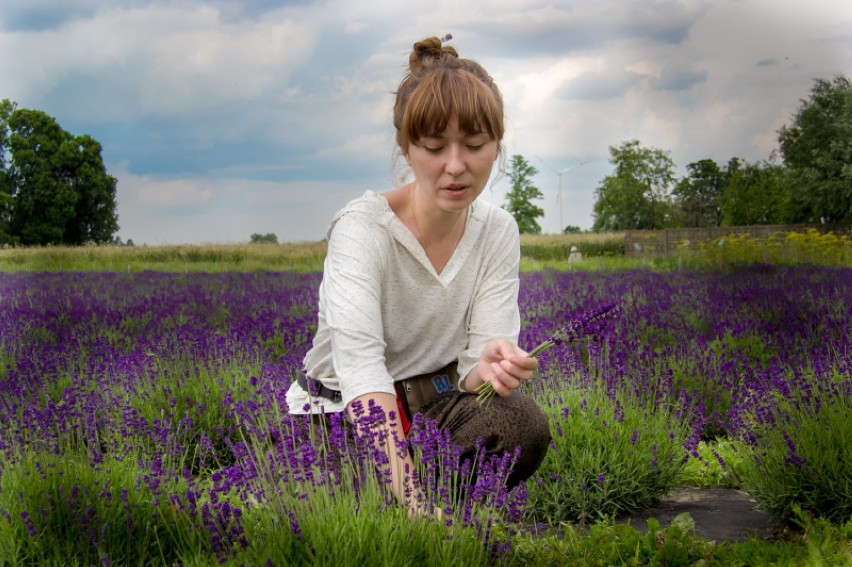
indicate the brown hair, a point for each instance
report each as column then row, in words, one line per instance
column 439, row 86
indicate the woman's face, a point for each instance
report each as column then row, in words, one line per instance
column 452, row 167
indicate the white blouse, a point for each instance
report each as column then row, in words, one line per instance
column 386, row 315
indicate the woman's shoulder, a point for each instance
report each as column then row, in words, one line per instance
column 368, row 210
column 494, row 218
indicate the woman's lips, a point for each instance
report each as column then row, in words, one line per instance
column 455, row 189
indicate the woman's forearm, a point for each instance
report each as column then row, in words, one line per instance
column 389, row 439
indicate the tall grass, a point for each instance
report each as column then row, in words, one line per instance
column 297, row 256
column 300, row 257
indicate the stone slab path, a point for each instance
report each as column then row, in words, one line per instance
column 720, row 514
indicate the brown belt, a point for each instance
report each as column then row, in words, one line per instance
column 421, row 389
column 415, row 392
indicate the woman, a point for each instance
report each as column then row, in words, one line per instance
column 419, row 298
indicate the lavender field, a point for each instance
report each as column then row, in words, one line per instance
column 143, row 421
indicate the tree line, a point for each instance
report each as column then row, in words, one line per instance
column 809, row 182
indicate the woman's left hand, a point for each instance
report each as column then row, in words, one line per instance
column 504, row 365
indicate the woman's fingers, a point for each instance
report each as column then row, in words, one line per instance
column 504, row 381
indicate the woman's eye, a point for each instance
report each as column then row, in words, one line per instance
column 433, row 149
column 475, row 147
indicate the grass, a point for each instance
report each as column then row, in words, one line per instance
column 300, row 257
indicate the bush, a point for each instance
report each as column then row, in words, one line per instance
column 799, row 446
column 609, row 457
column 268, row 238
column 790, row 248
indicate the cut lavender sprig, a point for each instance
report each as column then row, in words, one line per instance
column 574, row 330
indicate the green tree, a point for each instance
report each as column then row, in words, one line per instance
column 60, row 192
column 6, row 109
column 817, row 151
column 636, row 195
column 753, row 194
column 519, row 198
column 697, row 194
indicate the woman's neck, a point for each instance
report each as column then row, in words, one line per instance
column 431, row 225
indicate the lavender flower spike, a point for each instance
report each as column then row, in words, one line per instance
column 574, row 330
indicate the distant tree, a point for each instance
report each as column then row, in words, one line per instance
column 571, row 229
column 817, row 151
column 519, row 198
column 636, row 195
column 268, row 238
column 754, row 193
column 697, row 194
column 60, row 192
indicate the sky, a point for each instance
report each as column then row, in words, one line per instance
column 223, row 118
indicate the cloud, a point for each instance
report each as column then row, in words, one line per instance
column 599, row 85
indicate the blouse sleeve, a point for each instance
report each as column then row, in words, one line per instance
column 351, row 289
column 494, row 309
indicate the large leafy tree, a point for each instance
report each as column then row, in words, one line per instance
column 753, row 193
column 697, row 194
column 817, row 151
column 60, row 190
column 636, row 195
column 520, row 196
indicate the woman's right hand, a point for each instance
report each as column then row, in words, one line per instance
column 504, row 365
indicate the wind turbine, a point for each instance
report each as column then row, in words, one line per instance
column 559, row 173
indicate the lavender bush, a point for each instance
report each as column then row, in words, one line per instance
column 609, row 457
column 799, row 448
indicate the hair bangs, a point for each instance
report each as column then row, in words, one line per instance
column 447, row 94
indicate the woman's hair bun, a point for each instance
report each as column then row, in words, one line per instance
column 430, row 49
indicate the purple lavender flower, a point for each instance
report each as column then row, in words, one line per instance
column 792, row 457
column 574, row 330
column 634, row 437
column 31, row 529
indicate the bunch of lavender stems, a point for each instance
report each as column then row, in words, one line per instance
column 571, row 332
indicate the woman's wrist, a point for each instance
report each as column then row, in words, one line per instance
column 472, row 381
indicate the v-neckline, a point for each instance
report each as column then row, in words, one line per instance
column 457, row 259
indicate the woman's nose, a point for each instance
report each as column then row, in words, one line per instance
column 455, row 160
